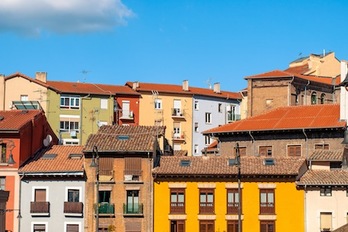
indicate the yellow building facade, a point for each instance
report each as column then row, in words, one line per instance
column 203, row 196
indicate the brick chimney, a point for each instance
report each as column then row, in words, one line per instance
column 135, row 85
column 185, row 85
column 41, row 76
column 217, row 87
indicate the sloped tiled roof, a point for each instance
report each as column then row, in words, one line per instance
column 177, row 89
column 302, row 69
column 16, row 119
column 180, row 152
column 90, row 88
column 280, row 74
column 47, row 162
column 343, row 228
column 324, row 177
column 287, row 118
column 219, row 165
column 118, row 138
column 18, row 74
column 327, row 155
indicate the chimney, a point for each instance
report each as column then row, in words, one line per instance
column 185, row 85
column 217, row 87
column 135, row 85
column 41, row 76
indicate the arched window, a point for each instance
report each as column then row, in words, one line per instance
column 322, row 98
column 314, row 98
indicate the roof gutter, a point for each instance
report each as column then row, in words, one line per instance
column 306, row 140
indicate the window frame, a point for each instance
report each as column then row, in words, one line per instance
column 177, row 207
column 104, row 103
column 158, row 104
column 268, row 206
column 196, row 105
column 325, row 191
column 314, row 99
column 79, row 189
column 208, row 118
column 267, row 223
column 292, row 150
column 3, row 153
column 74, row 102
column 322, row 146
column 232, row 206
column 33, row 224
column 206, row 224
column 267, row 150
column 234, row 225
column 207, row 206
column 2, row 182
column 177, row 224
column 219, row 107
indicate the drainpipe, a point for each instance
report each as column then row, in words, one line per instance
column 85, row 97
column 305, row 91
column 253, row 140
column 306, row 140
column 20, row 200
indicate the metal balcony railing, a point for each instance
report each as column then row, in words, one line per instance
column 73, row 207
column 133, row 208
column 40, row 207
column 106, row 208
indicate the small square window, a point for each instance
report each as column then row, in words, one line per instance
column 326, row 191
column 219, row 107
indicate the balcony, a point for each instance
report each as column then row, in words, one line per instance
column 267, row 208
column 232, row 117
column 40, row 208
column 206, row 208
column 106, row 209
column 232, row 207
column 178, row 113
column 135, row 209
column 73, row 208
column 126, row 115
column 106, row 175
column 178, row 137
column 177, row 208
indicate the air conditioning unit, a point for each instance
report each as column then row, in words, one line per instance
column 128, row 177
column 73, row 133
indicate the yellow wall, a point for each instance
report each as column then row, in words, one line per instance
column 150, row 114
column 288, row 203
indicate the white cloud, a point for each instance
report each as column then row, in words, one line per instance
column 61, row 16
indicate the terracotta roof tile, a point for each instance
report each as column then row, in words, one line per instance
column 343, row 228
column 219, row 165
column 180, row 152
column 90, row 88
column 46, row 162
column 18, row 74
column 327, row 155
column 298, row 69
column 15, row 119
column 124, row 138
column 324, row 177
column 177, row 89
column 286, row 118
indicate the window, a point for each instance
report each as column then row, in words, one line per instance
column 269, row 102
column 177, row 201
column 219, row 107
column 322, row 98
column 265, row 150
column 206, row 201
column 104, row 103
column 176, row 130
column 72, row 228
column 208, row 118
column 242, row 151
column 70, row 102
column 2, row 183
column 267, row 201
column 73, row 195
column 133, row 168
column 232, row 201
column 294, row 150
column 177, row 226
column 196, row 106
column 133, row 205
column 232, row 226
column 40, row 195
column 104, row 196
column 207, row 140
column 3, row 153
column 196, row 149
column 267, row 226
column 314, row 98
column 24, row 98
column 67, row 126
column 196, row 127
column 326, row 191
column 39, row 203
column 325, row 221
column 39, row 228
column 206, row 226
column 158, row 104
column 322, row 146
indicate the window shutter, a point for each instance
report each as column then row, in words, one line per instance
column 132, row 166
column 40, row 195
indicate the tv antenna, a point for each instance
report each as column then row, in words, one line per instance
column 84, row 73
column 208, row 82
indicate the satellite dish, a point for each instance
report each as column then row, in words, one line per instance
column 47, row 140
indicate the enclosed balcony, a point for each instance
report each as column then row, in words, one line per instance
column 40, row 208
column 73, row 208
column 231, row 117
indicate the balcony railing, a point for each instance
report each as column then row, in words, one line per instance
column 126, row 115
column 232, row 207
column 267, row 208
column 73, row 208
column 178, row 113
column 178, row 137
column 206, row 208
column 106, row 175
column 106, row 208
column 133, row 209
column 177, row 207
column 40, row 208
column 233, row 117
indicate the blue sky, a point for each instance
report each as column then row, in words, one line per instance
column 168, row 41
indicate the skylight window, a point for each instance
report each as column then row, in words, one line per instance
column 123, row 137
column 185, row 163
column 49, row 156
column 75, row 156
column 268, row 161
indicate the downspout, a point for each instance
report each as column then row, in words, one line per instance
column 306, row 140
column 20, row 200
column 85, row 97
column 305, row 91
column 252, row 140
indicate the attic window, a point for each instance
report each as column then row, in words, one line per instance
column 268, row 162
column 49, row 156
column 123, row 137
column 185, row 163
column 75, row 156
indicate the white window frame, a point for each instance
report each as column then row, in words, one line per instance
column 104, row 103
column 158, row 104
column 220, row 107
column 196, row 105
column 69, row 119
column 73, row 188
column 24, row 97
column 208, row 118
column 74, row 102
column 196, row 127
column 196, row 149
column 72, row 223
column 35, row 223
column 71, row 141
column 207, row 140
